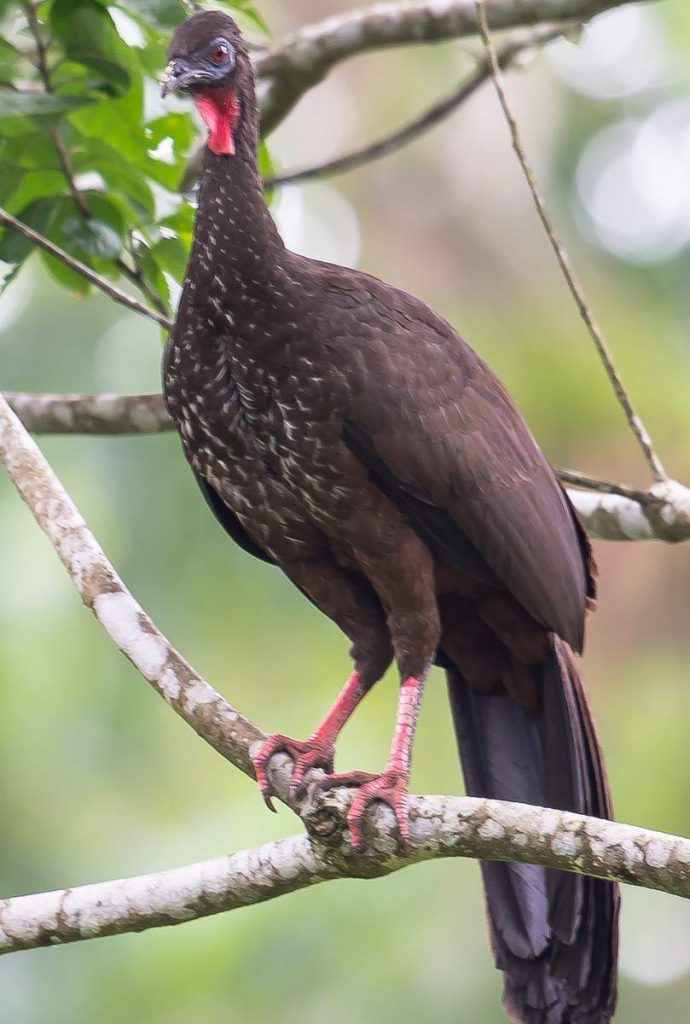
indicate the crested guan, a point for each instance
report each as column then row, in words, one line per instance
column 342, row 430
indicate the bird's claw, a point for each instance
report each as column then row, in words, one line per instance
column 390, row 788
column 306, row 755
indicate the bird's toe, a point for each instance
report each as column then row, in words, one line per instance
column 389, row 788
column 306, row 755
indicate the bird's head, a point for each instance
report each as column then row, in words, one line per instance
column 208, row 60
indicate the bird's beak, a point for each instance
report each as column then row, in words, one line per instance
column 179, row 74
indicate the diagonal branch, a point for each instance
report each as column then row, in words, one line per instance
column 636, row 425
column 303, row 59
column 441, row 827
column 111, row 290
column 102, row 590
column 431, row 117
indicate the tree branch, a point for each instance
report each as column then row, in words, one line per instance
column 103, row 591
column 304, row 59
column 608, row 510
column 664, row 514
column 577, row 291
column 111, row 290
column 431, row 117
column 90, row 414
column 441, row 827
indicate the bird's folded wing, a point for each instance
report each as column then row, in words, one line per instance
column 439, row 433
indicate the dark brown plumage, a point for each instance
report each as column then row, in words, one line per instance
column 342, row 430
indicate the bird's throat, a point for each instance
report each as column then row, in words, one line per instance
column 220, row 110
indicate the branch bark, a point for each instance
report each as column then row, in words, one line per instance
column 440, row 827
column 102, row 590
column 516, row 46
column 90, row 414
column 664, row 514
column 304, row 59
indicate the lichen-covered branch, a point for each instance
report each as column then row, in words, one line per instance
column 103, row 591
column 303, row 59
column 664, row 514
column 440, row 827
column 90, row 414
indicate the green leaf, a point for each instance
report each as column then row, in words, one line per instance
column 8, row 272
column 10, row 58
column 267, row 168
column 28, row 186
column 163, row 13
column 153, row 275
column 10, row 179
column 117, row 122
column 28, row 104
column 249, row 11
column 120, row 176
column 14, row 248
column 89, row 37
column 30, row 149
column 178, row 127
column 181, row 223
column 64, row 275
column 171, row 254
column 94, row 237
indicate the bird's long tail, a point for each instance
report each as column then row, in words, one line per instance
column 554, row 934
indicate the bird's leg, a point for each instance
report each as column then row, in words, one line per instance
column 390, row 787
column 318, row 750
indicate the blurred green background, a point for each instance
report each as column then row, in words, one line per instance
column 98, row 779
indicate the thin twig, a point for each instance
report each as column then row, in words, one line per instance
column 111, row 290
column 432, row 116
column 595, row 483
column 41, row 50
column 636, row 425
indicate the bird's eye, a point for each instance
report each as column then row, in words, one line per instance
column 220, row 53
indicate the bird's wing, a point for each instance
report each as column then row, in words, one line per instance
column 440, row 434
column 229, row 521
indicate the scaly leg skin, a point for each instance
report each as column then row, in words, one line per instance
column 317, row 751
column 391, row 786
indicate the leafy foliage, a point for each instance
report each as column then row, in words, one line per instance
column 90, row 156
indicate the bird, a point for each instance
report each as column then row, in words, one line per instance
column 343, row 431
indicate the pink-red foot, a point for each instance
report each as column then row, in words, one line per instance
column 306, row 754
column 389, row 788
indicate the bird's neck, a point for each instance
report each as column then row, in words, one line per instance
column 237, row 249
